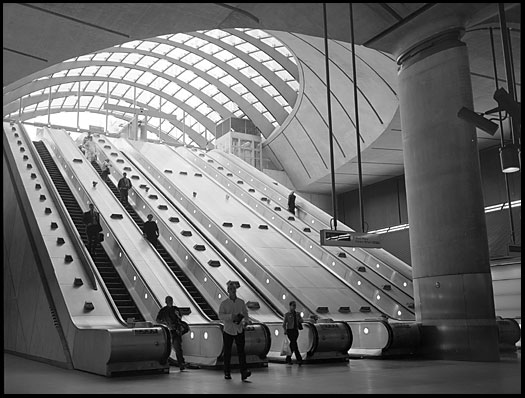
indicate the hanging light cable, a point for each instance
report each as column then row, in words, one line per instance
column 358, row 134
column 501, row 135
column 328, row 95
column 509, row 153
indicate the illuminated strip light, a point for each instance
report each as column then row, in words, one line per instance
column 340, row 237
column 488, row 209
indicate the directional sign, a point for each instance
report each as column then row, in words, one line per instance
column 331, row 237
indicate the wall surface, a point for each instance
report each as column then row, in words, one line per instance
column 30, row 329
column 385, row 206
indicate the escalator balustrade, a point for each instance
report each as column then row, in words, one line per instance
column 120, row 295
column 168, row 259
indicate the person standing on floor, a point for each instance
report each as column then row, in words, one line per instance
column 291, row 203
column 292, row 323
column 151, row 230
column 234, row 314
column 124, row 185
column 92, row 220
column 171, row 316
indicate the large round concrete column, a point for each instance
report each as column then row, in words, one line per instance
column 453, row 286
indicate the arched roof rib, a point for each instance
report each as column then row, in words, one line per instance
column 247, row 78
column 269, row 102
column 28, row 101
column 303, row 136
column 368, row 65
column 42, row 84
column 243, row 104
column 284, row 89
column 349, row 78
column 151, row 129
column 231, row 39
column 288, row 65
column 199, row 139
column 216, row 106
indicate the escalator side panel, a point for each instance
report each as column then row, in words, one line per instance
column 210, row 280
column 143, row 272
column 369, row 285
column 26, row 268
column 185, row 281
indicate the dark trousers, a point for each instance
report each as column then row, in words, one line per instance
column 176, row 340
column 293, row 335
column 292, row 210
column 105, row 174
column 239, row 342
column 153, row 239
column 124, row 195
column 92, row 237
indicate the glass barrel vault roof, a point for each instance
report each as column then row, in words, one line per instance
column 185, row 83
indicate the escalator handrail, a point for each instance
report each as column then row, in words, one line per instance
column 209, row 241
column 223, row 255
column 183, row 288
column 311, row 213
column 278, row 230
column 311, row 240
column 96, row 273
column 124, row 252
column 247, row 254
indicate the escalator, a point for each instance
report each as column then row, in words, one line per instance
column 168, row 259
column 120, row 295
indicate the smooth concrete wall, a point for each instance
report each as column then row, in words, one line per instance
column 398, row 244
column 29, row 325
column 385, row 206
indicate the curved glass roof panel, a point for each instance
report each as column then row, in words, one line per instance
column 190, row 82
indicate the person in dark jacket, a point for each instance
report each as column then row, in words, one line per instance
column 124, row 185
column 171, row 316
column 151, row 230
column 291, row 203
column 292, row 323
column 92, row 220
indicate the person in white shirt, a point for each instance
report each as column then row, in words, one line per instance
column 292, row 323
column 234, row 314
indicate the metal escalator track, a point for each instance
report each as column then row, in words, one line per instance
column 120, row 295
column 168, row 259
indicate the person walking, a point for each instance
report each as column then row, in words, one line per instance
column 234, row 314
column 92, row 220
column 105, row 170
column 291, row 202
column 151, row 230
column 292, row 323
column 171, row 316
column 124, row 185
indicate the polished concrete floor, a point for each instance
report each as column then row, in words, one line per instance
column 359, row 376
